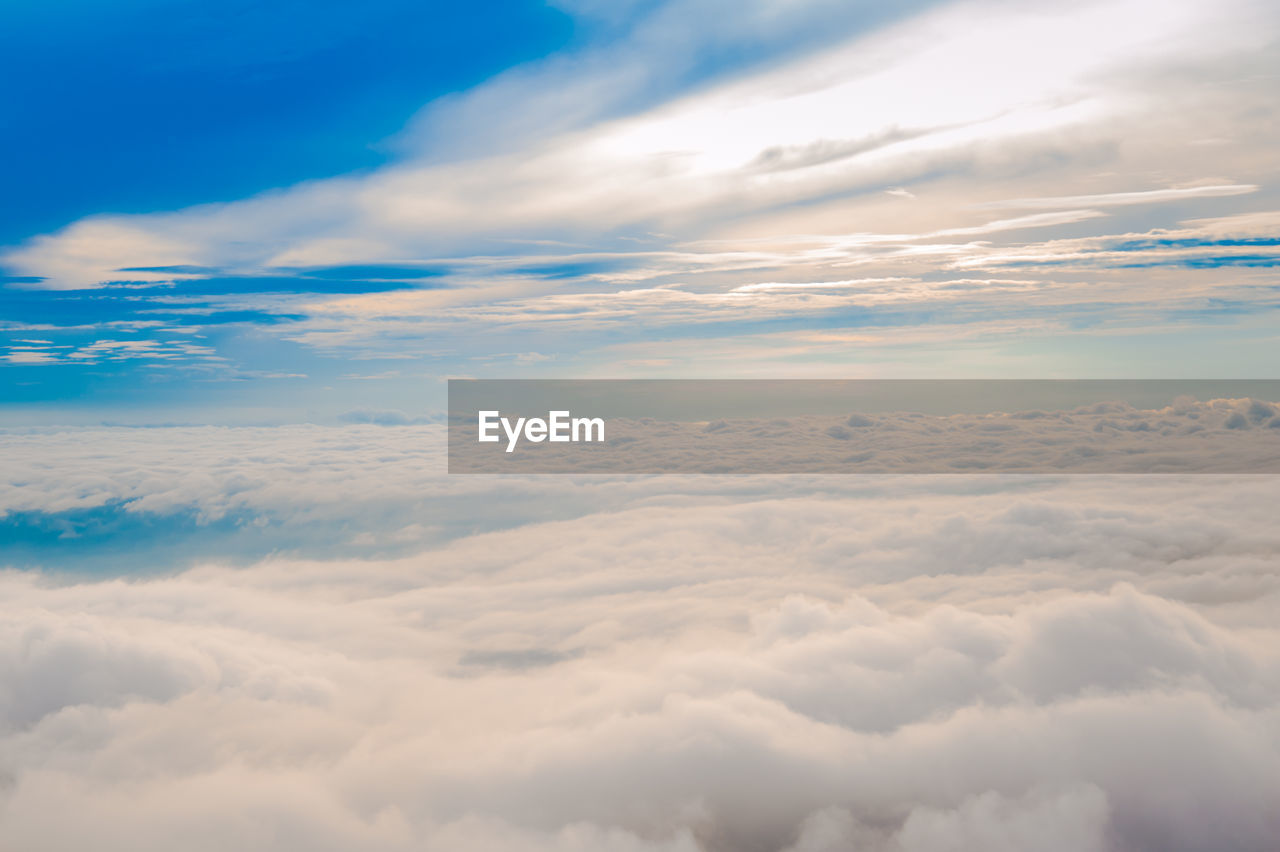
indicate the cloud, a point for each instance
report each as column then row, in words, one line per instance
column 1112, row 199
column 380, row 417
column 678, row 165
column 702, row 664
column 27, row 355
column 691, row 665
column 814, row 285
column 311, row 638
column 631, row 196
column 730, row 289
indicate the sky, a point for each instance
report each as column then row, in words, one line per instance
column 243, row 604
column 281, row 213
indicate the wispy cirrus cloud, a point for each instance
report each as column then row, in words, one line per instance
column 1058, row 148
column 1115, row 199
column 680, row 165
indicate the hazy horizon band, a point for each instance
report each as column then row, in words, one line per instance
column 864, row 426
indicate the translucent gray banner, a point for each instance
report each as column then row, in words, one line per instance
column 864, row 426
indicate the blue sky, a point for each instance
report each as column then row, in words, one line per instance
column 143, row 105
column 287, row 211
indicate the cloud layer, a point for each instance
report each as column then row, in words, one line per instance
column 1087, row 171
column 309, row 638
column 674, row 664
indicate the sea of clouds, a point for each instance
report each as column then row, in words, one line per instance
column 687, row 664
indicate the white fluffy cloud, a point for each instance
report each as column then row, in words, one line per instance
column 897, row 664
